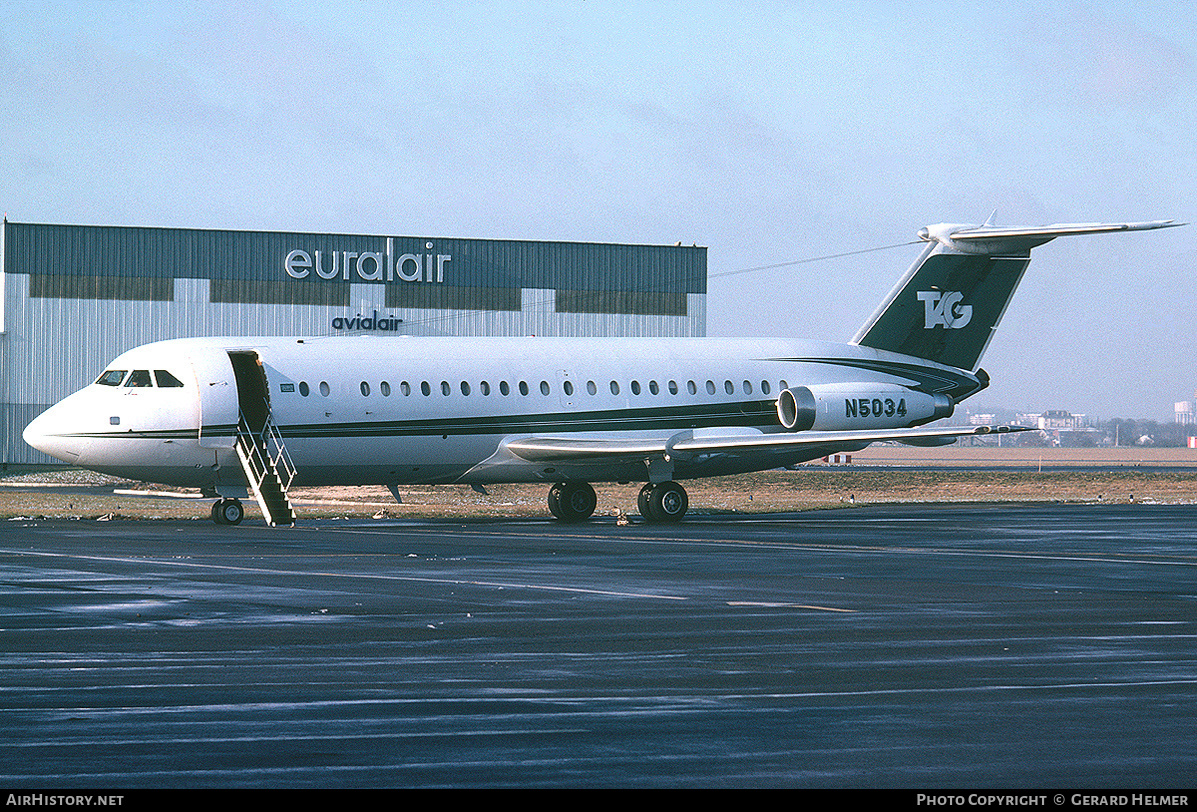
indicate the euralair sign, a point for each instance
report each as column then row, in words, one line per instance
column 368, row 266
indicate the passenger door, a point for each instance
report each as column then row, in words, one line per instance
column 216, row 385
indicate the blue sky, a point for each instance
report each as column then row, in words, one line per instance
column 769, row 132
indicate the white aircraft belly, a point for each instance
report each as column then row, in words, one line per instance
column 151, row 459
column 387, row 460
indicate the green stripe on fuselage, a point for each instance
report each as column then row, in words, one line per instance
column 741, row 413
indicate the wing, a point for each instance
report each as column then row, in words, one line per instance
column 686, row 445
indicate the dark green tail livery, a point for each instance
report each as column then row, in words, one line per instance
column 947, row 306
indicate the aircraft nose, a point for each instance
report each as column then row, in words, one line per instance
column 48, row 434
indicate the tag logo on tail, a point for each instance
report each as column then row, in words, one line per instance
column 944, row 309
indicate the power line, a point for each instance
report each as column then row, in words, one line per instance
column 545, row 305
column 813, row 259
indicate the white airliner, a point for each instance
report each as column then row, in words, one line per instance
column 232, row 416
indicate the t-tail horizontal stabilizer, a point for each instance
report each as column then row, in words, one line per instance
column 947, row 306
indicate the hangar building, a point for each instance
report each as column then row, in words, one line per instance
column 72, row 297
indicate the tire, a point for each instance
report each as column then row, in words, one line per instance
column 231, row 511
column 644, row 503
column 668, row 502
column 555, row 500
column 575, row 501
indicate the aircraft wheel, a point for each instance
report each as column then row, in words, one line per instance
column 555, row 500
column 228, row 511
column 644, row 502
column 667, row 502
column 572, row 501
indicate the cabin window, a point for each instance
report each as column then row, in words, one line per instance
column 783, row 385
column 614, row 387
column 673, row 387
column 710, row 387
column 445, row 389
column 764, row 387
column 591, row 388
column 165, row 379
column 465, row 388
column 692, row 387
column 652, row 387
column 484, row 387
column 405, row 388
column 729, row 387
column 426, row 388
column 385, row 388
column 365, row 389
column 523, row 387
column 747, row 387
column 303, row 388
column 504, row 388
column 139, row 377
column 635, row 387
column 111, row 377
column 544, row 388
column 568, row 387
column 324, row 390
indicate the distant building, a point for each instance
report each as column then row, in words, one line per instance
column 1026, row 419
column 1184, row 413
column 1057, row 419
column 1062, row 427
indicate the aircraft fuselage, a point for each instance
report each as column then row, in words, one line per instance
column 394, row 410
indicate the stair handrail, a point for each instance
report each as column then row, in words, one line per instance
column 284, row 467
column 268, row 451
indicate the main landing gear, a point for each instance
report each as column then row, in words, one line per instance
column 658, row 502
column 572, row 501
column 227, row 511
column 663, row 502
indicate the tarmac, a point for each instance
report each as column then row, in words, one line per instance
column 918, row 646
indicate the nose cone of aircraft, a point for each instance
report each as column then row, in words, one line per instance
column 50, row 433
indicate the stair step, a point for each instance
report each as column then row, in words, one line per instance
column 263, row 477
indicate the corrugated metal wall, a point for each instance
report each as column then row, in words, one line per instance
column 104, row 251
column 76, row 296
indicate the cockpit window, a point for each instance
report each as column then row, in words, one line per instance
column 139, row 377
column 111, row 377
column 164, row 378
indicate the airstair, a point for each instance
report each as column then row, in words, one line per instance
column 269, row 470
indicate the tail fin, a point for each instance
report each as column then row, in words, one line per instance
column 948, row 305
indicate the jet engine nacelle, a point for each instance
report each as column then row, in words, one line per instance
column 840, row 407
